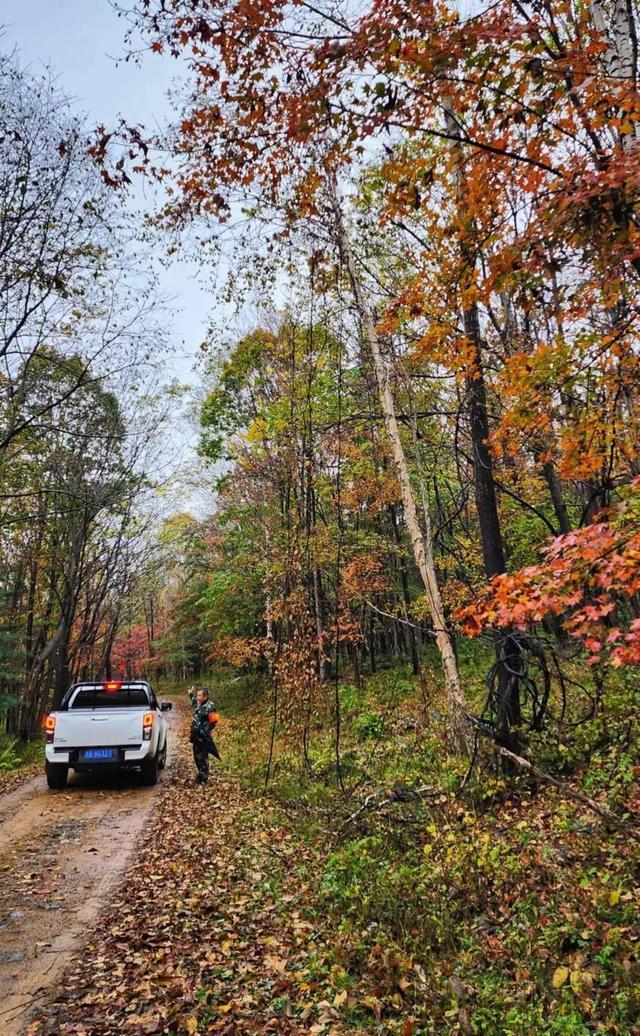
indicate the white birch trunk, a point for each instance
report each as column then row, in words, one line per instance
column 621, row 57
column 421, row 541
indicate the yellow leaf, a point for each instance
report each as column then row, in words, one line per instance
column 192, row 1026
column 340, row 998
column 614, row 897
column 276, row 964
column 560, row 976
column 257, row 430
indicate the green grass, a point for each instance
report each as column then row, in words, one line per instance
column 506, row 909
column 14, row 754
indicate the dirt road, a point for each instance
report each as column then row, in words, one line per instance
column 61, row 854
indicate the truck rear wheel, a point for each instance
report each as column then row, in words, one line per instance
column 150, row 769
column 57, row 774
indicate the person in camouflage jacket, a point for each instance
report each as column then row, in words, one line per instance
column 204, row 721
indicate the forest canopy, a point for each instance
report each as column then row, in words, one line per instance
column 441, row 420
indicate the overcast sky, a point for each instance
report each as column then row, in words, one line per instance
column 81, row 40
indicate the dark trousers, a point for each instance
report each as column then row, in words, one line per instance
column 201, row 759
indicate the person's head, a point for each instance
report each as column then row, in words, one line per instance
column 202, row 695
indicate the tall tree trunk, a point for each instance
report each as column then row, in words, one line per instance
column 319, row 621
column 50, row 649
column 507, row 646
column 508, row 653
column 109, row 641
column 484, row 485
column 421, row 541
column 618, row 27
column 406, row 597
column 62, row 670
column 316, row 576
column 557, row 499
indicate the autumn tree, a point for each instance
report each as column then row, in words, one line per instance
column 79, row 336
column 506, row 145
column 70, row 280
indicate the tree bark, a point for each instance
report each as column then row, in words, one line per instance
column 421, row 541
column 406, row 597
column 621, row 56
column 557, row 499
column 508, row 710
column 484, row 485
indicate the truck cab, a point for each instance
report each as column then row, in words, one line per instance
column 113, row 725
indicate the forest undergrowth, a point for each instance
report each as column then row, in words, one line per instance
column 480, row 903
column 495, row 908
column 18, row 762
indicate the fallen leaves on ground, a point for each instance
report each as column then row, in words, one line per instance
column 210, row 930
column 11, row 780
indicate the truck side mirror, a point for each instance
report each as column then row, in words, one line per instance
column 166, row 706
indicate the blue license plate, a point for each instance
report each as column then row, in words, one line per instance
column 99, row 755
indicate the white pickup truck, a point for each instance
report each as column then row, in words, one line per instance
column 108, row 725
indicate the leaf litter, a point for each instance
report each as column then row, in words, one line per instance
column 213, row 930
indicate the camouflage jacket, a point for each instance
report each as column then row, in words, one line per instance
column 205, row 716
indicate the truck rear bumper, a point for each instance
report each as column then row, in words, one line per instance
column 129, row 755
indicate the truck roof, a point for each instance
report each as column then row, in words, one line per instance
column 107, row 692
column 111, row 684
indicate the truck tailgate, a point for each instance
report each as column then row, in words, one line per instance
column 92, row 728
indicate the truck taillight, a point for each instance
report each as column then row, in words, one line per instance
column 147, row 725
column 50, row 729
